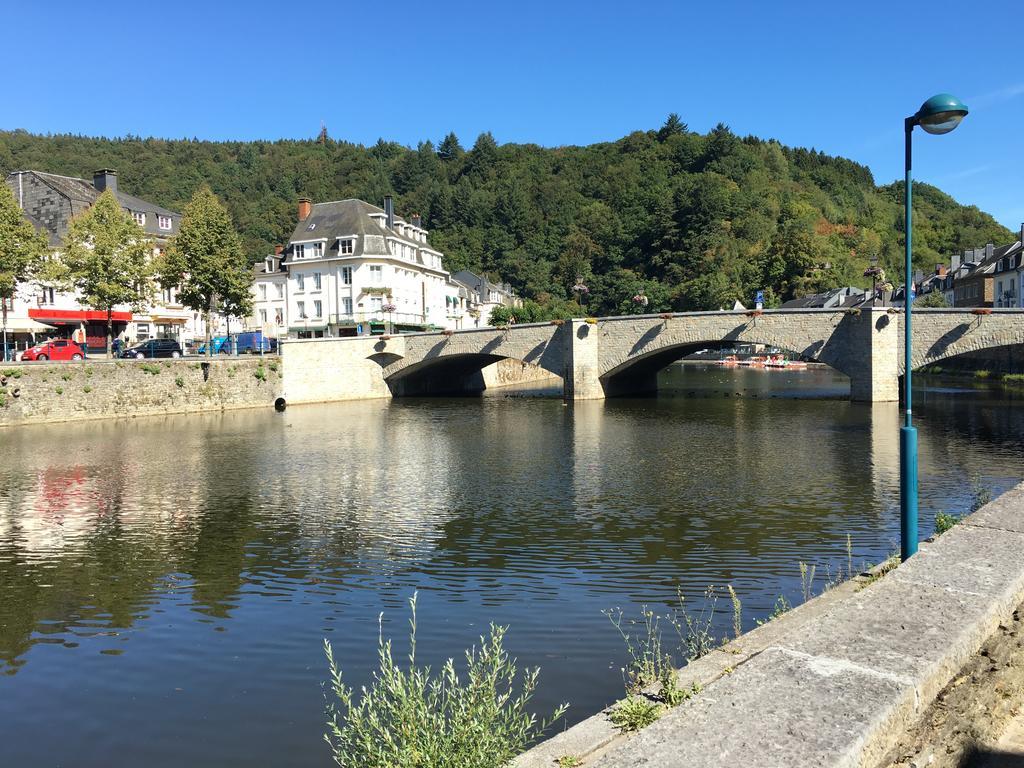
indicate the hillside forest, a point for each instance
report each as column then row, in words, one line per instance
column 684, row 220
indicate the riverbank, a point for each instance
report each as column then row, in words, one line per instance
column 37, row 393
column 840, row 680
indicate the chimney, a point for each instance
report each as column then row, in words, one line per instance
column 389, row 211
column 940, row 270
column 305, row 208
column 954, row 262
column 104, row 179
column 989, row 249
column 278, row 249
column 416, row 220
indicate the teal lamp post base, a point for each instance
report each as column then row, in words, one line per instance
column 908, row 492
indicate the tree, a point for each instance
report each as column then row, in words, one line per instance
column 935, row 299
column 450, row 148
column 22, row 252
column 206, row 261
column 673, row 127
column 106, row 258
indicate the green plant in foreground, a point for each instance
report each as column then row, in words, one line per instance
column 12, row 373
column 87, row 389
column 982, row 374
column 694, row 630
column 150, row 368
column 781, row 606
column 409, row 717
column 648, row 662
column 59, row 390
column 260, row 373
column 737, row 612
column 179, row 382
column 569, row 761
column 636, row 712
column 806, row 580
column 943, row 522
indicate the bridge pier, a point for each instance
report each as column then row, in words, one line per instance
column 873, row 366
column 581, row 377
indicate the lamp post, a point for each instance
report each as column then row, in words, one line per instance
column 940, row 114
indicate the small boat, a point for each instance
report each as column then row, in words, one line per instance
column 731, row 360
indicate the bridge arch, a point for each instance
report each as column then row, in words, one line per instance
column 942, row 334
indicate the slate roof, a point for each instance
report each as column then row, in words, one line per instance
column 82, row 194
column 340, row 218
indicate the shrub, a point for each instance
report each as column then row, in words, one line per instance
column 179, row 382
column 87, row 389
column 943, row 522
column 150, row 368
column 260, row 373
column 59, row 390
column 409, row 717
column 635, row 713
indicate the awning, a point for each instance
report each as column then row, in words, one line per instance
column 168, row 319
column 26, row 325
column 64, row 316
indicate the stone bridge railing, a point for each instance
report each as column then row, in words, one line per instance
column 620, row 355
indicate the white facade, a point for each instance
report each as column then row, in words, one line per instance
column 346, row 271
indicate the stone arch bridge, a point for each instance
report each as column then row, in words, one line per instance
column 611, row 356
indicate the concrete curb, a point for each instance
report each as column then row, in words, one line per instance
column 834, row 681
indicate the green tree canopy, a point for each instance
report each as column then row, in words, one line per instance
column 106, row 257
column 206, row 262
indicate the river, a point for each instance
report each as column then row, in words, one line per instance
column 166, row 583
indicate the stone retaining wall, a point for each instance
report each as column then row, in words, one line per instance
column 32, row 393
column 837, row 681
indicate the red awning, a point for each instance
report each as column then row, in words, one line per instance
column 77, row 316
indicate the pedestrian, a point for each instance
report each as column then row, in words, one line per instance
column 117, row 346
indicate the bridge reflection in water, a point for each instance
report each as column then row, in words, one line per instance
column 192, row 565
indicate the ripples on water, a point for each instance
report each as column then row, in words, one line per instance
column 165, row 583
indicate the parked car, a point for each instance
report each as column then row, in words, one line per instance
column 58, row 349
column 219, row 344
column 254, row 342
column 153, row 348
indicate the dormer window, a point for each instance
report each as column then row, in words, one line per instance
column 318, row 250
column 346, row 247
column 300, row 251
column 140, row 218
column 164, row 222
column 270, row 265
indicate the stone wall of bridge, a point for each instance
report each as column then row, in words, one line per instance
column 612, row 356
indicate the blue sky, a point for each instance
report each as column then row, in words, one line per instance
column 836, row 76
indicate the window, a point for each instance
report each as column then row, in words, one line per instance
column 269, row 265
column 300, row 281
column 346, row 305
column 316, row 281
column 168, row 295
column 142, row 331
column 346, row 247
column 140, row 218
column 299, row 252
column 376, row 274
column 301, row 306
column 318, row 307
column 346, row 275
column 263, row 291
column 279, row 316
column 263, row 317
column 318, row 250
column 280, row 290
column 164, row 222
column 46, row 296
column 376, row 303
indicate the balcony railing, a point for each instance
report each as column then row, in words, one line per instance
column 377, row 316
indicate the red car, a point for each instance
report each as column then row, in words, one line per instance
column 59, row 349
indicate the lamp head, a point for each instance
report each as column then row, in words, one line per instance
column 940, row 114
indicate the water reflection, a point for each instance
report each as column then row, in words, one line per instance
column 168, row 581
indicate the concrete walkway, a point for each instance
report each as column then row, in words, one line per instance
column 836, row 681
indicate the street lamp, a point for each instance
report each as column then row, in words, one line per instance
column 940, row 114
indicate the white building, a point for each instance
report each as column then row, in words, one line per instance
column 351, row 267
column 50, row 201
